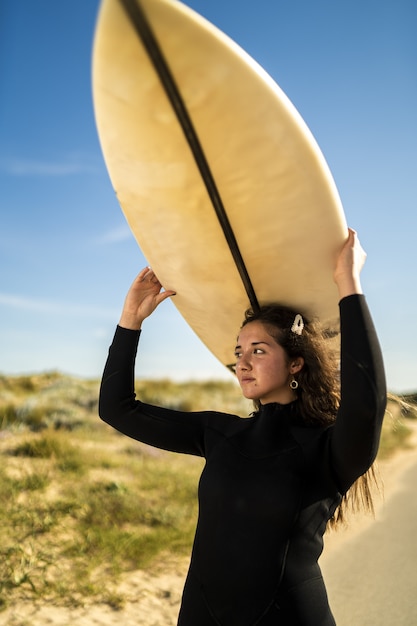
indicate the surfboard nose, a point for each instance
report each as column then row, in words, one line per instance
column 271, row 229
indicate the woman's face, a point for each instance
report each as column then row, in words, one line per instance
column 263, row 368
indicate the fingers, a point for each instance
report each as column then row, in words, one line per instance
column 147, row 276
column 352, row 238
column 163, row 296
column 356, row 244
column 349, row 265
column 140, row 277
column 142, row 298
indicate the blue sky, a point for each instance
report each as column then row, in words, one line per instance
column 66, row 254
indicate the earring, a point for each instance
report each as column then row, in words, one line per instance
column 294, row 384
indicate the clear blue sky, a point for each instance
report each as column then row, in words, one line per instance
column 66, row 254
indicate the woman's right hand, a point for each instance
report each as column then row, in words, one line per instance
column 142, row 299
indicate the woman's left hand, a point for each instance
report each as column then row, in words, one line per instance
column 349, row 266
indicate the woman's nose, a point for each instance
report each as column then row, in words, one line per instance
column 244, row 363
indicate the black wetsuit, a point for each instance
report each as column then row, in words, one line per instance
column 269, row 485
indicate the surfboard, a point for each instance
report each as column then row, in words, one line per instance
column 220, row 180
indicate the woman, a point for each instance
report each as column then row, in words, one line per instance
column 273, row 481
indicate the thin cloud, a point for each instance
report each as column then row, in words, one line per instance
column 39, row 305
column 30, row 167
column 115, row 235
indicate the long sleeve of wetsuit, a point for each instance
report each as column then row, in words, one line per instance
column 358, row 426
column 163, row 428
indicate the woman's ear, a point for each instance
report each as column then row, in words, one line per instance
column 296, row 365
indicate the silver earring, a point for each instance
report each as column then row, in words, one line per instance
column 294, row 384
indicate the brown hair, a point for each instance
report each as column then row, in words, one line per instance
column 318, row 392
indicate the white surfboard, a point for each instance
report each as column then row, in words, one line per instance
column 224, row 187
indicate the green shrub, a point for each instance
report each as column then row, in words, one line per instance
column 51, row 445
column 395, row 435
column 8, row 415
column 46, row 446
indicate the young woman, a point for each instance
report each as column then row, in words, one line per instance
column 272, row 481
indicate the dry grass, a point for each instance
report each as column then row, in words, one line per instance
column 81, row 504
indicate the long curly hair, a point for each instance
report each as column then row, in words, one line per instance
column 318, row 392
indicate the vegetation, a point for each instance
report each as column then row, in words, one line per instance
column 395, row 431
column 81, row 504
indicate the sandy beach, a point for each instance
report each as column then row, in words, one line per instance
column 153, row 598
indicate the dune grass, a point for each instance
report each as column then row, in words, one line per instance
column 75, row 516
column 395, row 430
column 80, row 504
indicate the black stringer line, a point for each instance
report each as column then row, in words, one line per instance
column 144, row 31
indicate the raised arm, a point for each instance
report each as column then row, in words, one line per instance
column 156, row 426
column 357, row 431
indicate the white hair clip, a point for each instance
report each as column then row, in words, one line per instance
column 298, row 325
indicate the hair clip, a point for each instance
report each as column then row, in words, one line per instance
column 298, row 325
